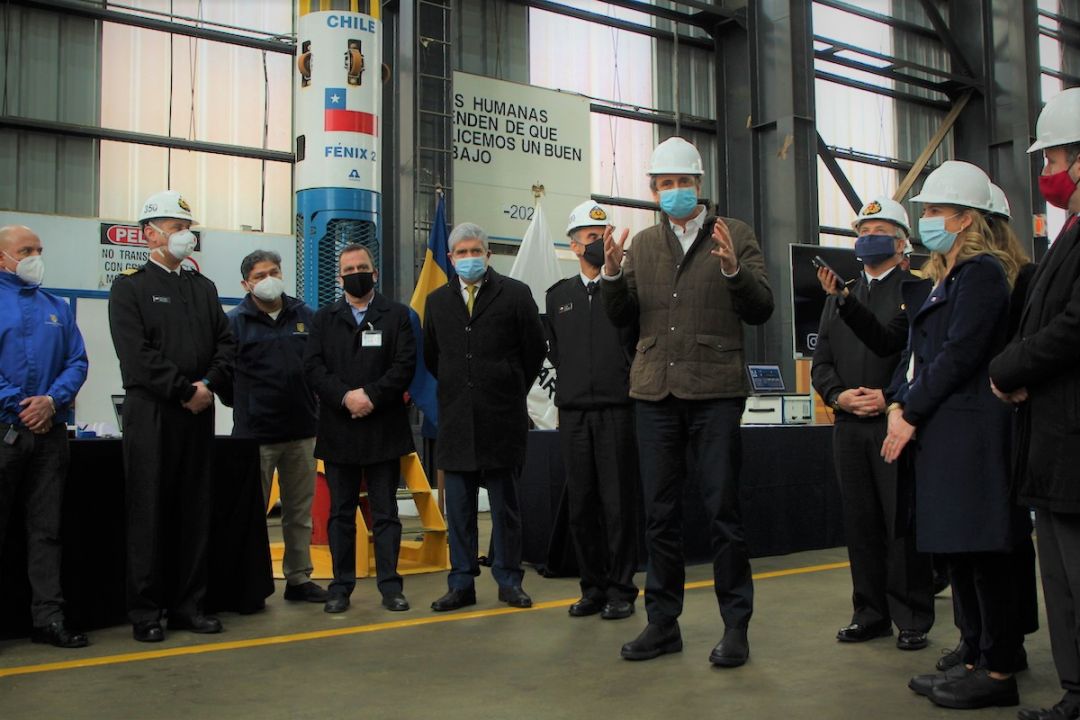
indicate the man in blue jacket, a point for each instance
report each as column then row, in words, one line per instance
column 274, row 405
column 42, row 366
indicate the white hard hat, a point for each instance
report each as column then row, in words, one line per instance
column 1059, row 121
column 675, row 156
column 587, row 214
column 959, row 183
column 166, row 204
column 883, row 208
column 999, row 204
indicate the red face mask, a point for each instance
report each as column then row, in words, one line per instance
column 1058, row 188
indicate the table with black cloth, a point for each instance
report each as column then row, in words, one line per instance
column 92, row 534
column 788, row 493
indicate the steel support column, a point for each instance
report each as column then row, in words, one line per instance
column 399, row 94
column 994, row 131
column 784, row 144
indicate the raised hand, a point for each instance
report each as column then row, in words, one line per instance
column 613, row 250
column 725, row 248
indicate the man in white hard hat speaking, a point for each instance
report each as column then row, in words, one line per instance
column 1039, row 371
column 176, row 351
column 691, row 282
column 892, row 583
column 596, row 425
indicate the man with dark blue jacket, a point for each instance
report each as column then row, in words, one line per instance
column 274, row 404
column 42, row 366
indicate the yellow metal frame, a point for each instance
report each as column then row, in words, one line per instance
column 429, row 554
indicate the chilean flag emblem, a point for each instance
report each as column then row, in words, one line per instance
column 338, row 119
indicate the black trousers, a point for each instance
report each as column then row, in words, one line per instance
column 709, row 430
column 168, row 472
column 891, row 582
column 602, row 490
column 1059, row 560
column 32, row 474
column 382, row 483
column 462, row 489
column 986, row 603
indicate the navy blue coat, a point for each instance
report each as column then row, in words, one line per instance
column 961, row 444
column 485, row 365
column 272, row 401
column 336, row 362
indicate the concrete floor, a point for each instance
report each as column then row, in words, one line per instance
column 501, row 663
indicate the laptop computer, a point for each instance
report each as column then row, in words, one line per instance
column 118, row 408
column 766, row 379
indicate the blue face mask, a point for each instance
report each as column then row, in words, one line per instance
column 678, row 203
column 873, row 250
column 934, row 236
column 470, row 269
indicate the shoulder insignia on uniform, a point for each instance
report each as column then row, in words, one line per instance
column 557, row 284
column 130, row 271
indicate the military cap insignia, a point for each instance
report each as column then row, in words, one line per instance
column 183, row 204
column 872, row 208
column 597, row 213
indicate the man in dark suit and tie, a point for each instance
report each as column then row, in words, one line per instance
column 484, row 343
column 892, row 583
column 360, row 359
column 1039, row 371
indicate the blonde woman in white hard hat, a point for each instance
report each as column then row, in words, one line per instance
column 1040, row 372
column 692, row 281
column 954, row 434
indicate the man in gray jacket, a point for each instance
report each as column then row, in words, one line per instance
column 691, row 282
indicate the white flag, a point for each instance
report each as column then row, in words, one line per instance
column 536, row 266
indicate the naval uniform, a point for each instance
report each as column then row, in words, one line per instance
column 596, row 430
column 169, row 331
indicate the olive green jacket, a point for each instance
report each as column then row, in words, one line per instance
column 691, row 315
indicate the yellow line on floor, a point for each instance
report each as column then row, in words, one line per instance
column 341, row 632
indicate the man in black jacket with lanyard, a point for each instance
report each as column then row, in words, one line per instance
column 1039, row 371
column 892, row 583
column 596, row 425
column 360, row 359
column 176, row 351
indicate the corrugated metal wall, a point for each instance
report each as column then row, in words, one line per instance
column 491, row 37
column 49, row 71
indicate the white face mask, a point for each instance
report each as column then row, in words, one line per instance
column 31, row 270
column 181, row 243
column 268, row 289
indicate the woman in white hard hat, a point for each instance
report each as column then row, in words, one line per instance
column 1040, row 373
column 960, row 455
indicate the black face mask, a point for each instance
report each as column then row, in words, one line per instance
column 594, row 253
column 358, row 284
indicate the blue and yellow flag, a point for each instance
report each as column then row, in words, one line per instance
column 434, row 274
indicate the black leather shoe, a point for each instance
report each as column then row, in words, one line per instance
column 336, row 603
column 923, row 684
column 306, row 592
column 951, row 658
column 1064, row 710
column 732, row 651
column 617, row 610
column 57, row 635
column 586, row 606
column 202, row 624
column 855, row 632
column 514, row 596
column 454, row 599
column 976, row 689
column 395, row 602
column 148, row 631
column 911, row 640
column 654, row 641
